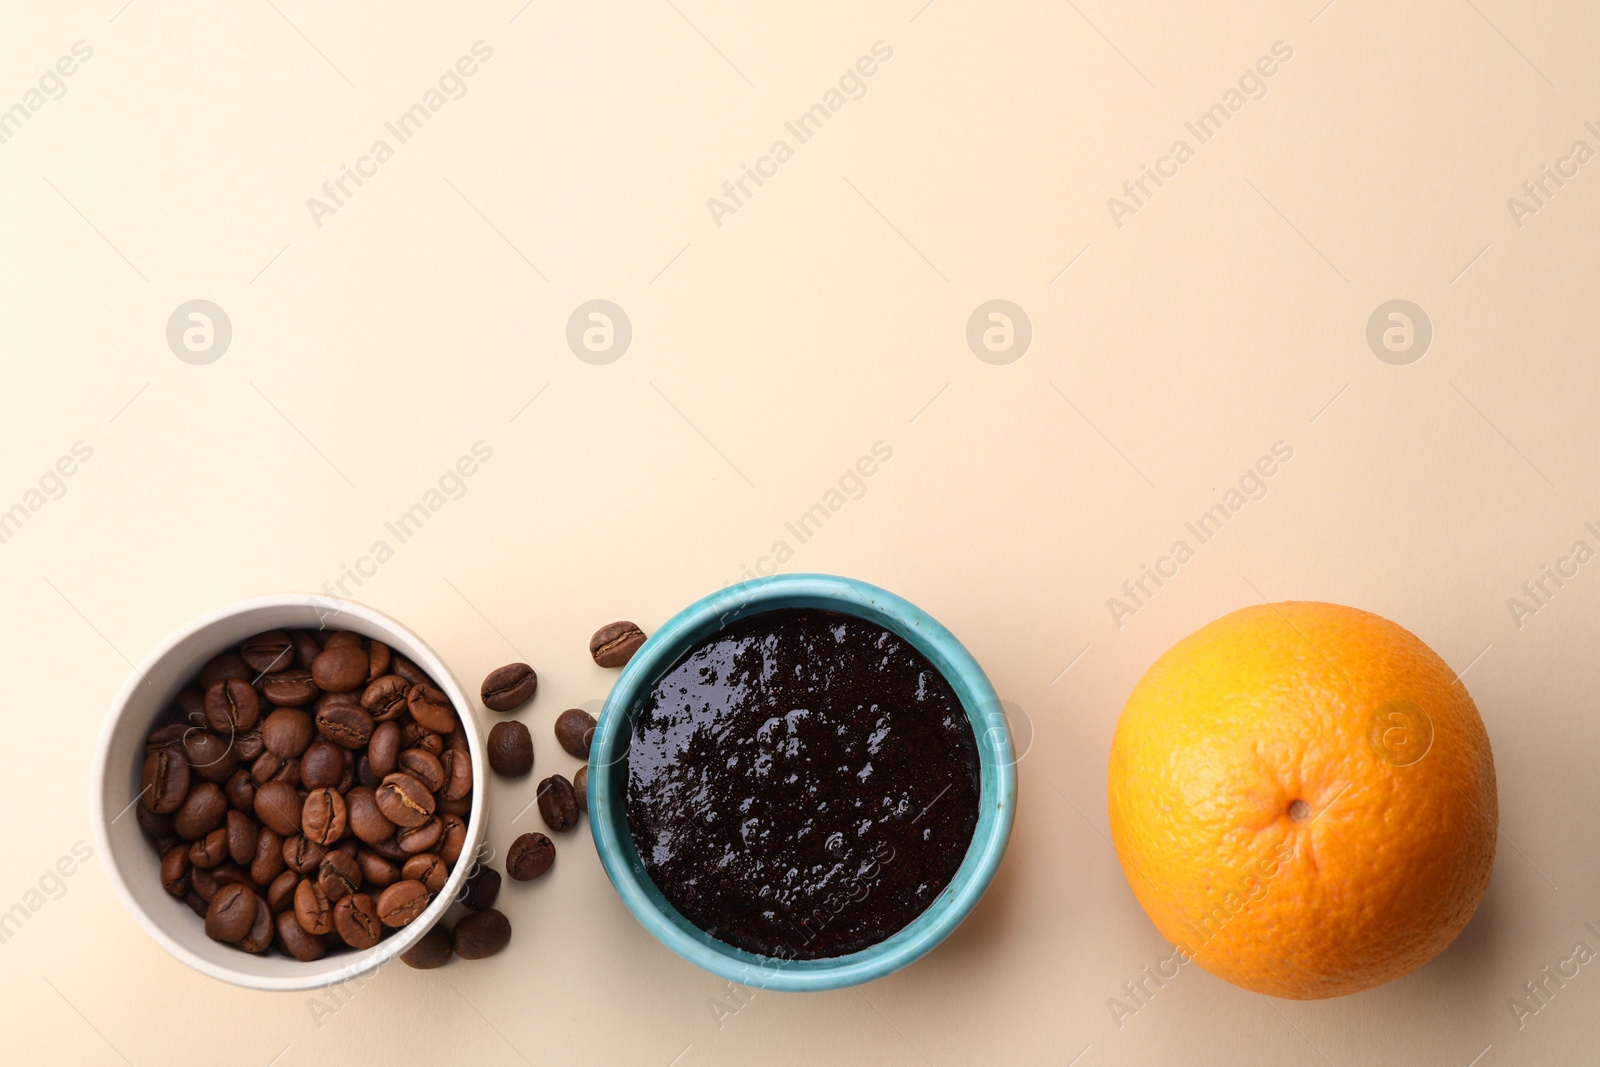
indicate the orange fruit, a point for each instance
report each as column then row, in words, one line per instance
column 1303, row 799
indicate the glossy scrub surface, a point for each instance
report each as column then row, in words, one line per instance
column 802, row 784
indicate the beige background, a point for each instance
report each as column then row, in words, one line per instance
column 827, row 314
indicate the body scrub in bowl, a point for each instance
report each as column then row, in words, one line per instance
column 801, row 782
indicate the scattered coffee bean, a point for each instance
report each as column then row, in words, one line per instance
column 615, row 643
column 481, row 889
column 510, row 749
column 508, row 688
column 530, row 856
column 481, row 934
column 580, row 788
column 557, row 804
column 432, row 950
column 574, row 731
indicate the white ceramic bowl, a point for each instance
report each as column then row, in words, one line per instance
column 148, row 698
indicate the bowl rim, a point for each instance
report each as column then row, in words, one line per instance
column 362, row 617
column 997, row 794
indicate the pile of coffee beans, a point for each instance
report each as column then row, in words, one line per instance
column 310, row 793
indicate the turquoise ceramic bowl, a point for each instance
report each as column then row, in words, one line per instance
column 608, row 766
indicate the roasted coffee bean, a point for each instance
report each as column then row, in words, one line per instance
column 574, row 731
column 508, row 688
column 202, row 881
column 265, row 768
column 192, row 707
column 202, row 811
column 349, row 846
column 365, row 775
column 377, row 870
column 510, row 749
column 424, row 766
column 428, row 869
column 164, row 782
column 557, row 804
column 230, row 873
column 339, row 875
column 260, row 936
column 302, row 855
column 211, row 849
column 323, row 765
column 431, row 708
column 403, row 800
column 390, row 851
column 385, row 697
column 278, row 807
column 454, row 807
column 293, row 688
column 481, row 934
column 457, row 764
column 154, row 826
column 306, row 648
column 344, row 639
column 414, row 839
column 402, row 902
column 240, row 791
column 242, row 834
column 294, row 940
column 481, row 889
column 383, row 751
column 322, row 816
column 232, row 707
column 415, row 735
column 267, row 864
column 379, row 657
column 580, row 788
column 286, row 732
column 453, row 839
column 340, row 668
column 365, row 818
column 280, row 892
column 249, row 744
column 312, row 909
column 432, row 950
column 615, row 643
column 210, row 757
column 175, row 871
column 264, row 653
column 355, row 920
column 345, row 724
column 530, row 856
column 222, row 667
column 170, row 735
column 413, row 674
column 231, row 914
